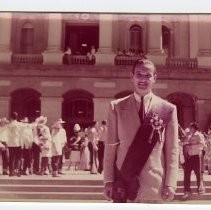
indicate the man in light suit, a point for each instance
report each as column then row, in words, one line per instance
column 157, row 180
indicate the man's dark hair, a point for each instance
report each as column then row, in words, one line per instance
column 143, row 62
column 194, row 125
column 14, row 116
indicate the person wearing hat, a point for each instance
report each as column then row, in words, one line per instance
column 26, row 145
column 38, row 125
column 45, row 143
column 3, row 145
column 195, row 144
column 59, row 139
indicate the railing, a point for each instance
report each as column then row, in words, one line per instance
column 78, row 59
column 190, row 63
column 27, row 58
column 125, row 60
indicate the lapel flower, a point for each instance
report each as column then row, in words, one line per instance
column 157, row 125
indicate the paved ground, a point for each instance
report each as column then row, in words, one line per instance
column 73, row 174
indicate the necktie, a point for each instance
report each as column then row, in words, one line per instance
column 142, row 110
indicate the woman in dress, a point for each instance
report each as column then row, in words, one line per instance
column 85, row 154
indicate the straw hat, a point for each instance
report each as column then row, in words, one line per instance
column 58, row 123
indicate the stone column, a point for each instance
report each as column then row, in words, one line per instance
column 53, row 53
column 204, row 53
column 5, row 34
column 51, row 107
column 155, row 52
column 193, row 42
column 4, row 104
column 105, row 53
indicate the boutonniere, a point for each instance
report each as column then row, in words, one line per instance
column 157, row 125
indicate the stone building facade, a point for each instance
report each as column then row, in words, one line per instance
column 34, row 75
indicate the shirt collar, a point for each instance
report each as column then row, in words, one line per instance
column 146, row 97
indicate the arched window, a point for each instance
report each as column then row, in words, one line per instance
column 136, row 38
column 27, row 38
column 166, row 39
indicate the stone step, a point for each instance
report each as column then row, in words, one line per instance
column 194, row 196
column 180, row 189
column 51, row 188
column 22, row 181
column 18, row 195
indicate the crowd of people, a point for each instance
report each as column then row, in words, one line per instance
column 35, row 148
column 195, row 151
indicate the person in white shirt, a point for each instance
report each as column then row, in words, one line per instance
column 14, row 145
column 59, row 139
column 46, row 148
column 102, row 135
column 195, row 144
column 26, row 144
column 3, row 146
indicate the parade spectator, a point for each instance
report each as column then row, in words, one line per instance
column 59, row 139
column 26, row 146
column 195, row 144
column 36, row 143
column 4, row 146
column 14, row 145
column 93, row 148
column 45, row 146
column 102, row 135
column 85, row 154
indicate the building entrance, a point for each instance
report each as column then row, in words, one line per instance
column 25, row 102
column 186, row 107
column 80, row 38
column 77, row 107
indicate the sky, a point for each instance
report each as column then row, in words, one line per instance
column 125, row 6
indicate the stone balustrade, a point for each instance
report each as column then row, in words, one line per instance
column 190, row 63
column 125, row 60
column 78, row 59
column 27, row 59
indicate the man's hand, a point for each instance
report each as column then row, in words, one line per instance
column 108, row 190
column 168, row 193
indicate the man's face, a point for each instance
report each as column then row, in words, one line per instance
column 143, row 79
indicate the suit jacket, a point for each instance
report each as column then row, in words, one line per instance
column 161, row 167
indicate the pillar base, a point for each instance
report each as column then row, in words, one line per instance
column 5, row 57
column 158, row 58
column 104, row 58
column 52, row 57
column 204, row 61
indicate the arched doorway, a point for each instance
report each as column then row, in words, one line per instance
column 25, row 102
column 123, row 94
column 77, row 107
column 186, row 107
